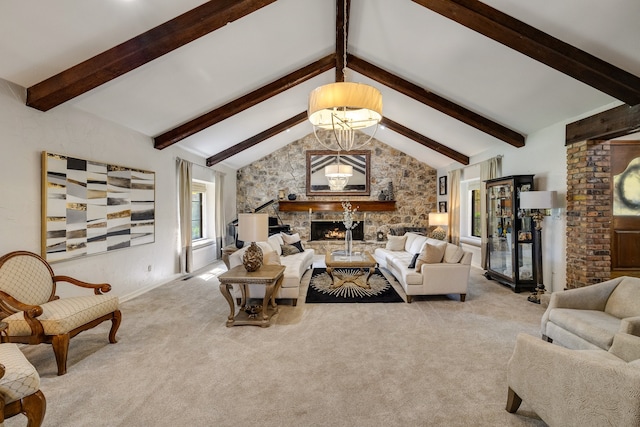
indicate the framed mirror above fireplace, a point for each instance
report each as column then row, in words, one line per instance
column 358, row 183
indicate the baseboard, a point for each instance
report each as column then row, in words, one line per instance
column 146, row 289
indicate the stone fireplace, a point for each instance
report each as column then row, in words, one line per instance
column 334, row 230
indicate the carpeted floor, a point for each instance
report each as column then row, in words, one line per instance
column 321, row 287
column 434, row 362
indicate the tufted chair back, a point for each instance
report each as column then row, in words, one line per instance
column 26, row 277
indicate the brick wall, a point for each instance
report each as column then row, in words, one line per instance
column 588, row 213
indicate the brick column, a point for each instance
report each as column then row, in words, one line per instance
column 588, row 213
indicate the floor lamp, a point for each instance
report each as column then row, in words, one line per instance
column 537, row 204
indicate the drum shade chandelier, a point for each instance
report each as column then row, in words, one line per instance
column 343, row 108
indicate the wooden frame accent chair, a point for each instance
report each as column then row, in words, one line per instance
column 19, row 387
column 35, row 314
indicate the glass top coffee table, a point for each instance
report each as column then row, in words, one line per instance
column 357, row 260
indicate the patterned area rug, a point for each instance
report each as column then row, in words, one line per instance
column 320, row 290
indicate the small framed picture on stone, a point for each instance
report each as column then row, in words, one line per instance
column 442, row 207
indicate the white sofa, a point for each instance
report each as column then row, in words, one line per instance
column 295, row 267
column 441, row 278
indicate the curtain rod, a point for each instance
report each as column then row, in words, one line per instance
column 499, row 156
column 203, row 167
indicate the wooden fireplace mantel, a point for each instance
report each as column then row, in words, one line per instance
column 335, row 205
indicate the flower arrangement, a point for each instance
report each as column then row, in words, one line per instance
column 347, row 216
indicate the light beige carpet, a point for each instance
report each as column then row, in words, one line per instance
column 434, row 362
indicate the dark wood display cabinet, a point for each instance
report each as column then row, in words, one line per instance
column 510, row 234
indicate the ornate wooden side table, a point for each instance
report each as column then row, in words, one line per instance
column 268, row 275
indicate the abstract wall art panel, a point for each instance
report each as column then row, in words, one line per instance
column 91, row 207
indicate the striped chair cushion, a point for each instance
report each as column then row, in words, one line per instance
column 65, row 314
column 20, row 378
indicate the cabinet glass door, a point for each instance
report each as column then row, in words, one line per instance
column 500, row 228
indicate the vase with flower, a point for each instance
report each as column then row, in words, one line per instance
column 349, row 224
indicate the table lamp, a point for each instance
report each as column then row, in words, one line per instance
column 438, row 219
column 253, row 228
column 538, row 204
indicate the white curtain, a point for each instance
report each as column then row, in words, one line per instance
column 489, row 169
column 184, row 215
column 454, row 206
column 219, row 218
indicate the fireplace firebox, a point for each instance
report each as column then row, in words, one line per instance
column 334, row 230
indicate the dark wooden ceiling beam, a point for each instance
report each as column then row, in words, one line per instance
column 435, row 101
column 256, row 139
column 342, row 37
column 138, row 51
column 423, row 140
column 540, row 46
column 244, row 102
column 618, row 121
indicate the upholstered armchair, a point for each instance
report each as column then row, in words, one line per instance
column 19, row 387
column 34, row 314
column 587, row 318
column 576, row 387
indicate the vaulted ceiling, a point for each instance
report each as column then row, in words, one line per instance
column 229, row 80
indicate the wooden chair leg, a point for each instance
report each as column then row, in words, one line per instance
column 60, row 345
column 513, row 401
column 409, row 299
column 115, row 324
column 34, row 407
column 463, row 297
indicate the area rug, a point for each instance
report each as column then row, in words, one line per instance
column 320, row 291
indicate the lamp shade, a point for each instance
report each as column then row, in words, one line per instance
column 345, row 105
column 338, row 170
column 537, row 199
column 436, row 218
column 253, row 227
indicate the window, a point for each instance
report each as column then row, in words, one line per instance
column 475, row 211
column 198, row 210
column 196, row 215
column 470, row 209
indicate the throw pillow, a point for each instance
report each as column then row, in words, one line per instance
column 412, row 264
column 453, row 254
column 431, row 254
column 271, row 258
column 396, row 243
column 275, row 241
column 290, row 238
column 290, row 250
column 298, row 245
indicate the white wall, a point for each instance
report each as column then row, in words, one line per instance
column 25, row 133
column 544, row 155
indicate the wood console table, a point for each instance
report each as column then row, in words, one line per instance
column 268, row 275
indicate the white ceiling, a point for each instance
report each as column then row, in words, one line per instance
column 39, row 39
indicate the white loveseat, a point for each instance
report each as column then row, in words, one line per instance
column 295, row 267
column 441, row 278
